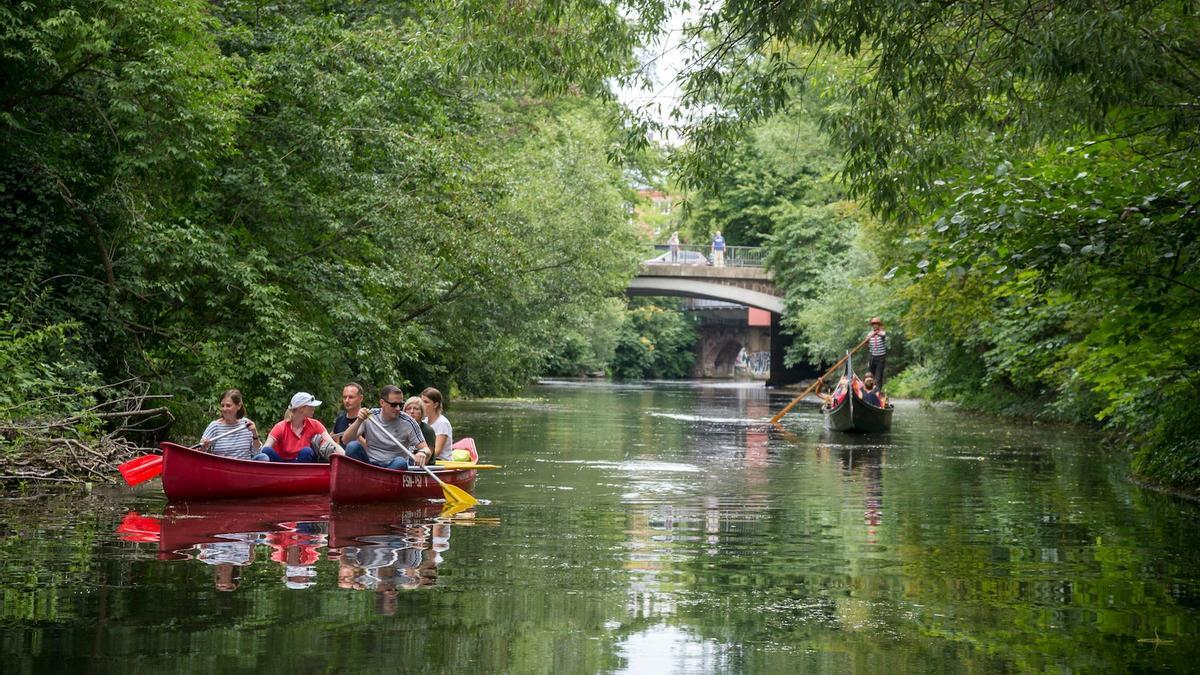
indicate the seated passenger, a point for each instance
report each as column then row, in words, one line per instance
column 381, row 448
column 292, row 439
column 242, row 444
column 352, row 398
column 826, row 399
column 870, row 394
column 432, row 398
column 415, row 409
column 839, row 393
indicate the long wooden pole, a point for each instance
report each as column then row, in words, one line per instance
column 779, row 415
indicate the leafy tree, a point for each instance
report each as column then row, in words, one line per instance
column 655, row 341
column 764, row 177
column 1035, row 168
column 587, row 343
column 288, row 196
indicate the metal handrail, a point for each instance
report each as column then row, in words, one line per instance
column 735, row 256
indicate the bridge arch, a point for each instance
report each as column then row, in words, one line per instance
column 703, row 288
column 743, row 284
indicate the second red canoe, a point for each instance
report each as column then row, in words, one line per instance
column 353, row 481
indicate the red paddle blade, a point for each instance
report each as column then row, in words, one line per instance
column 138, row 528
column 141, row 469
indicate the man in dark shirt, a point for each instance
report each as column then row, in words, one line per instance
column 352, row 398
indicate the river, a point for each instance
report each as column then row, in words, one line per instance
column 646, row 528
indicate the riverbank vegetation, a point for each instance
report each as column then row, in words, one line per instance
column 1031, row 178
column 204, row 195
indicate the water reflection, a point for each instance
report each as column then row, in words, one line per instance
column 376, row 547
column 648, row 528
column 228, row 558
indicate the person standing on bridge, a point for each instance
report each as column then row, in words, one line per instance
column 718, row 250
column 877, row 346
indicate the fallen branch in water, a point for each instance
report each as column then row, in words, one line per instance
column 85, row 445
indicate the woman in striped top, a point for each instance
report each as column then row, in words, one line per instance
column 240, row 445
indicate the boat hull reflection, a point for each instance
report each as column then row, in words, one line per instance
column 184, row 527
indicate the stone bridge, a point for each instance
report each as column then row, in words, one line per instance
column 749, row 286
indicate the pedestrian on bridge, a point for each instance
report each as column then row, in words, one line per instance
column 718, row 250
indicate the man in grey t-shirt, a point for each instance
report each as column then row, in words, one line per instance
column 376, row 447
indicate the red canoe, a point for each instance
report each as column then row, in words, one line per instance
column 355, row 481
column 191, row 474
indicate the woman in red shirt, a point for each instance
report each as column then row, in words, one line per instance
column 291, row 440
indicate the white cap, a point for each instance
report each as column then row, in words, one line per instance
column 303, row 398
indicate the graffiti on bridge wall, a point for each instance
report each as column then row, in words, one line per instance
column 760, row 364
column 756, row 364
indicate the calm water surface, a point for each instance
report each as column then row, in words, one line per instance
column 637, row 528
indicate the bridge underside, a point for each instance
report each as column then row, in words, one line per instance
column 698, row 288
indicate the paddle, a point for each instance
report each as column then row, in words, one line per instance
column 141, row 469
column 138, row 528
column 448, row 464
column 454, row 494
column 779, row 415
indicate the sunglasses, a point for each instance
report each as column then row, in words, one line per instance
column 395, row 404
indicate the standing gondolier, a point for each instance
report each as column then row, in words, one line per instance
column 877, row 347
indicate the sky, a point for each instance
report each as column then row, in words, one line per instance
column 663, row 63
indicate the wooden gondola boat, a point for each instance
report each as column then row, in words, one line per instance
column 189, row 474
column 355, row 481
column 856, row 415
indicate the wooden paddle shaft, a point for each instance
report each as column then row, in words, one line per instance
column 220, row 436
column 454, row 494
column 406, row 450
column 779, row 415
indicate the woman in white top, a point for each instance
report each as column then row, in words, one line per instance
column 432, row 398
column 241, row 444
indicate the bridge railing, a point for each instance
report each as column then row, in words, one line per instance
column 735, row 256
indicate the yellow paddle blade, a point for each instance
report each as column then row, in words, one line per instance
column 450, row 510
column 466, row 465
column 456, row 495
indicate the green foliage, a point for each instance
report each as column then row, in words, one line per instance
column 1036, row 170
column 915, row 381
column 765, row 181
column 587, row 343
column 655, row 341
column 35, row 364
column 287, row 197
column 833, row 291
